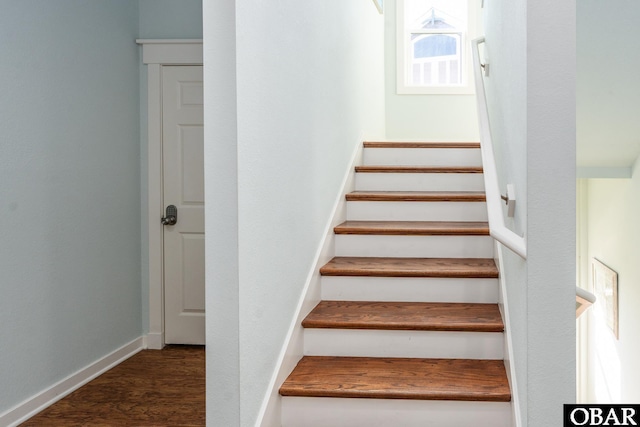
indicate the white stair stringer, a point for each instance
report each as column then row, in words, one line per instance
column 356, row 245
column 343, row 412
column 369, row 181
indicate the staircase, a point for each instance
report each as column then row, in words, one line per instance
column 408, row 332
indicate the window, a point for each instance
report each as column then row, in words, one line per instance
column 433, row 46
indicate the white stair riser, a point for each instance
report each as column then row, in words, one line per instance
column 417, row 211
column 424, row 344
column 414, row 246
column 409, row 289
column 343, row 412
column 419, row 181
column 422, row 156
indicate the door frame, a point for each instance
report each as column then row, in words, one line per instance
column 157, row 53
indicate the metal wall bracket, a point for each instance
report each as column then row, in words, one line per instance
column 510, row 200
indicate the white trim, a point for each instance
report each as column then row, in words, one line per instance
column 171, row 52
column 508, row 341
column 33, row 405
column 156, row 54
column 168, row 41
column 292, row 349
column 582, row 276
column 154, row 341
column 154, row 188
column 378, row 4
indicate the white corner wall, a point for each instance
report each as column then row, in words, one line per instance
column 613, row 209
column 291, row 88
column 222, row 296
column 531, row 97
column 551, row 209
column 430, row 117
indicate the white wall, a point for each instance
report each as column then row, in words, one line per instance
column 430, row 117
column 608, row 142
column 506, row 86
column 307, row 86
column 531, row 91
column 221, row 218
column 70, row 192
column 613, row 209
column 551, row 208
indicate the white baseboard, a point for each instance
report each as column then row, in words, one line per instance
column 292, row 349
column 154, row 341
column 508, row 342
column 49, row 396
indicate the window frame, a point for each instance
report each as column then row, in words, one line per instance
column 403, row 55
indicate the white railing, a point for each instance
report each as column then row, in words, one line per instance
column 497, row 228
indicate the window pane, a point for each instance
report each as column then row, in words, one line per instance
column 442, row 72
column 438, row 56
column 427, row 74
column 454, row 71
column 416, row 77
column 430, row 45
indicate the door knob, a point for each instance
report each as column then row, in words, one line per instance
column 171, row 216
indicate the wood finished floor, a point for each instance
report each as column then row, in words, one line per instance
column 399, row 378
column 407, row 316
column 403, row 144
column 413, row 228
column 153, row 388
column 416, row 196
column 410, row 267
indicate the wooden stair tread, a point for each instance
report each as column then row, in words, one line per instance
column 414, row 228
column 419, row 169
column 411, row 267
column 416, row 316
column 399, row 378
column 417, row 196
column 405, row 144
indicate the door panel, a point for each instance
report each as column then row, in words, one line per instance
column 183, row 186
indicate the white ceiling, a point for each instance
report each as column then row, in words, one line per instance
column 608, row 83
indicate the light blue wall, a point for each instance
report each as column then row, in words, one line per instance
column 170, row 19
column 159, row 19
column 69, row 188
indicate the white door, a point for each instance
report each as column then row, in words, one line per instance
column 183, row 187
